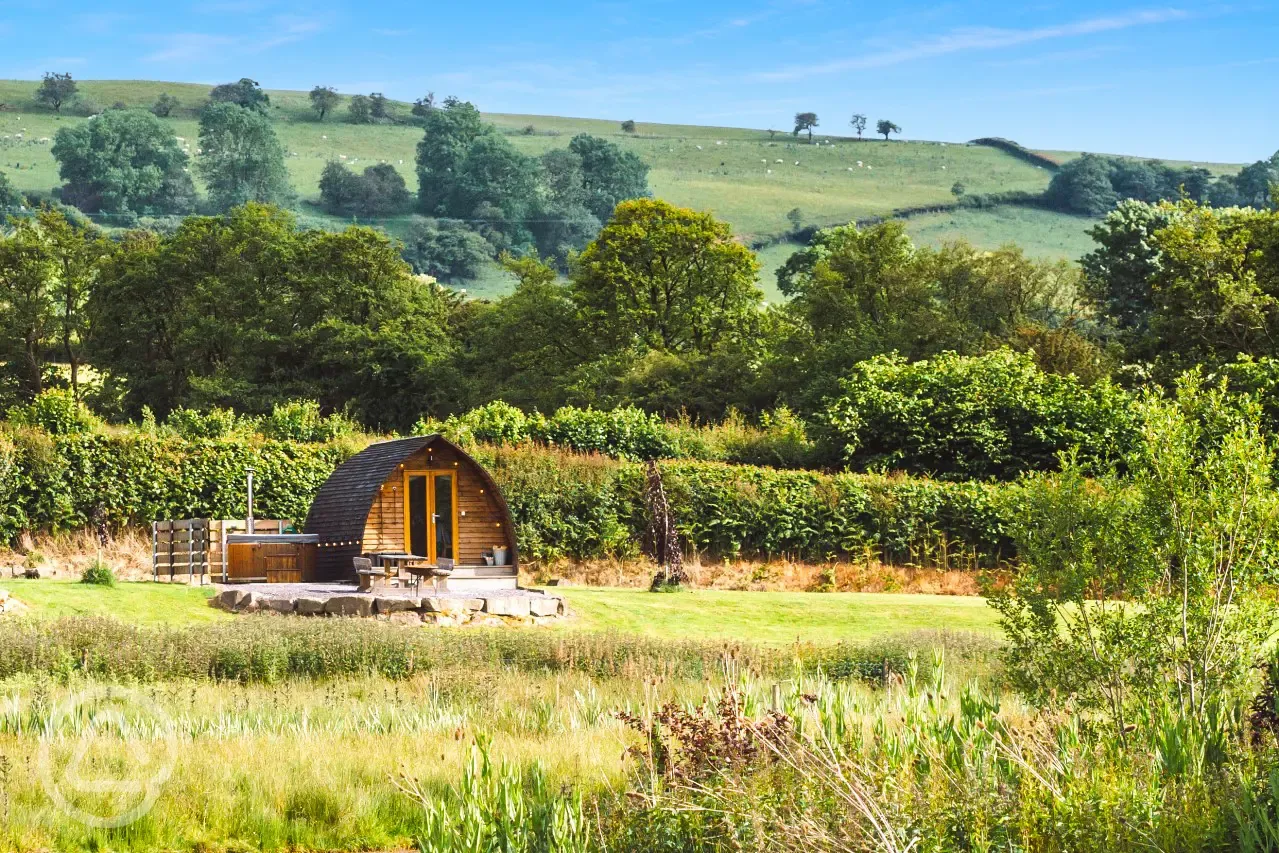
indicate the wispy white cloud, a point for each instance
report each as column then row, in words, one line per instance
column 188, row 46
column 975, row 38
column 192, row 46
column 232, row 7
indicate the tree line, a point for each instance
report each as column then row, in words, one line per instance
column 477, row 195
column 661, row 311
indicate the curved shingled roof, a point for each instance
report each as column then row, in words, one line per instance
column 341, row 509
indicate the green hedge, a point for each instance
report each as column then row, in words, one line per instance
column 565, row 505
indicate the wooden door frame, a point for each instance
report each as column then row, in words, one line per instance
column 430, row 474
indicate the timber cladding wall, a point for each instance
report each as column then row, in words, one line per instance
column 360, row 509
column 480, row 516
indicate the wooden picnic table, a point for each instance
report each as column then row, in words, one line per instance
column 421, row 571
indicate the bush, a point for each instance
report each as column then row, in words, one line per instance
column 98, row 573
column 300, row 420
column 958, row 417
column 56, row 412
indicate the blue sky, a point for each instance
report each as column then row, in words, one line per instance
column 1191, row 80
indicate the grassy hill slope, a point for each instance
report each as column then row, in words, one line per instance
column 731, row 172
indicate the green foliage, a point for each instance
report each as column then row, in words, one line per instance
column 886, row 127
column 1214, row 289
column 57, row 412
column 957, row 417
column 1092, row 184
column 860, row 293
column 243, row 160
column 324, row 99
column 1119, row 272
column 359, row 110
column 207, row 424
column 666, row 278
column 446, row 249
column 48, row 265
column 165, row 105
column 609, row 174
column 502, row 807
column 98, row 573
column 1140, row 593
column 55, row 90
column 10, row 199
column 248, row 311
column 302, row 421
column 379, row 192
column 245, row 93
column 467, row 170
column 124, row 160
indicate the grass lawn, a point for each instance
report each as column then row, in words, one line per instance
column 761, row 617
column 137, row 603
column 1041, row 233
column 773, row 617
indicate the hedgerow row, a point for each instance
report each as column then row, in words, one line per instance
column 565, row 505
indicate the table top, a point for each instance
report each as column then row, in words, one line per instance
column 399, row 557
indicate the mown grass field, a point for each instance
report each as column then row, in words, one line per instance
column 772, row 618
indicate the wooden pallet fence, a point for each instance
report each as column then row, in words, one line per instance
column 194, row 548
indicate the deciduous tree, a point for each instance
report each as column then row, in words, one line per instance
column 666, row 278
column 858, row 123
column 886, row 127
column 805, row 122
column 243, row 160
column 124, row 160
column 55, row 90
column 324, row 99
column 245, row 93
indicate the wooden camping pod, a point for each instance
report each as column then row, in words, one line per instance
column 379, row 500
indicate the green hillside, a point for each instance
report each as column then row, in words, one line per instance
column 750, row 178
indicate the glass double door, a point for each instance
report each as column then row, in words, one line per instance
column 431, row 514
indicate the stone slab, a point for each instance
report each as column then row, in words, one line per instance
column 349, row 605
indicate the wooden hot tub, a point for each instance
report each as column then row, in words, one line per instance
column 271, row 557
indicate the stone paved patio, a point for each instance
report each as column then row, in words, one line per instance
column 453, row 607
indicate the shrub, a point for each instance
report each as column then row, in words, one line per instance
column 98, row 573
column 624, row 433
column 212, row 423
column 300, row 420
column 958, row 417
column 56, row 412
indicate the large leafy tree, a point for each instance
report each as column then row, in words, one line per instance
column 467, row 170
column 10, row 198
column 55, row 90
column 805, row 122
column 245, row 310
column 858, row 293
column 666, row 278
column 445, row 249
column 324, row 99
column 244, row 92
column 1119, row 273
column 380, row 191
column 243, row 160
column 1215, row 289
column 48, row 266
column 124, row 160
column 609, row 174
